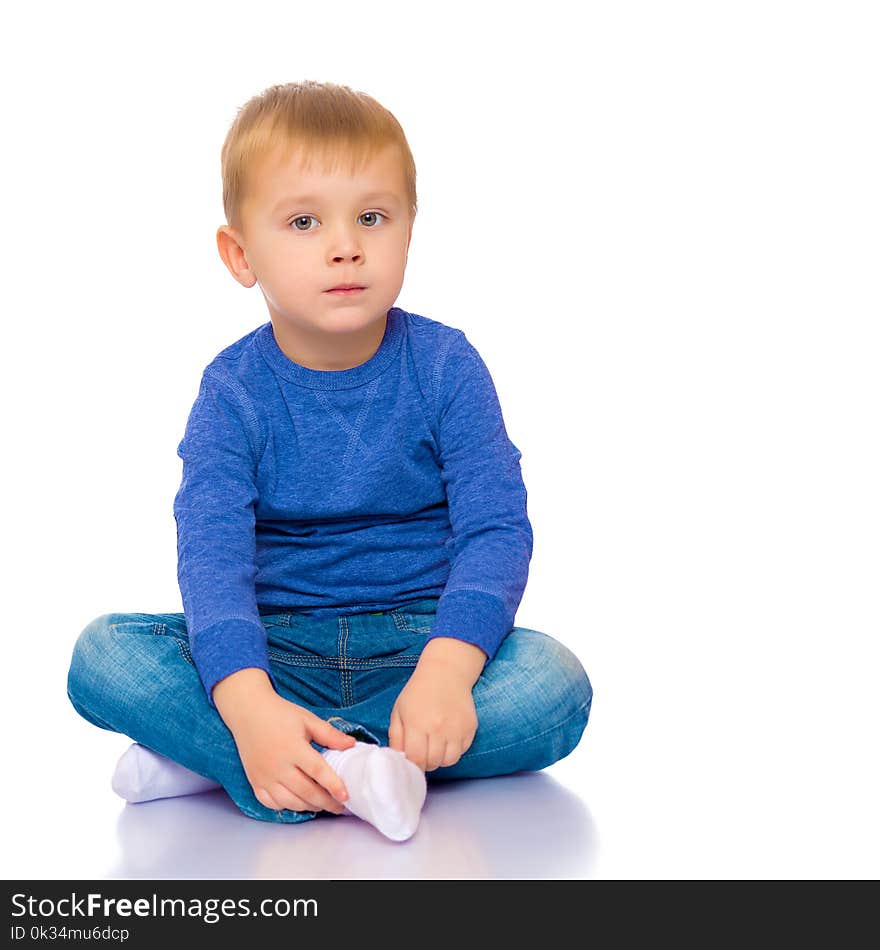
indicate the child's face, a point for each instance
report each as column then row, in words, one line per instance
column 304, row 232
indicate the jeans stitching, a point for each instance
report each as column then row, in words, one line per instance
column 184, row 651
column 402, row 622
column 290, row 659
column 283, row 620
column 161, row 630
column 345, row 672
column 339, row 654
column 351, row 662
column 510, row 745
column 377, row 663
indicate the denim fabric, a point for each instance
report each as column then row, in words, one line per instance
column 133, row 673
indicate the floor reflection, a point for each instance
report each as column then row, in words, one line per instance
column 523, row 826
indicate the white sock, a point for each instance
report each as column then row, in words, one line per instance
column 384, row 787
column 142, row 775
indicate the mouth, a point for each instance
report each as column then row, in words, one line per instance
column 346, row 289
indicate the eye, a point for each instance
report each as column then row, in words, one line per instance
column 302, row 217
column 374, row 214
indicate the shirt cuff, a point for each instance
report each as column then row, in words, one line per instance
column 227, row 647
column 472, row 616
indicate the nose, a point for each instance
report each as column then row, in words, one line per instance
column 346, row 257
column 345, row 245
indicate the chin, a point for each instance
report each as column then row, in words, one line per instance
column 361, row 310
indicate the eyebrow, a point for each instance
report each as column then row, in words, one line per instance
column 316, row 199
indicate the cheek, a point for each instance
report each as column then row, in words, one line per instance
column 291, row 269
column 395, row 253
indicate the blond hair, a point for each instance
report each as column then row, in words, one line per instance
column 325, row 122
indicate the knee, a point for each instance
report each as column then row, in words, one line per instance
column 533, row 702
column 557, row 675
column 574, row 691
column 91, row 653
column 85, row 650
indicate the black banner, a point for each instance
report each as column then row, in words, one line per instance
column 137, row 913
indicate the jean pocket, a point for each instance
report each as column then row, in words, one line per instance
column 413, row 622
column 160, row 625
column 134, row 623
column 277, row 620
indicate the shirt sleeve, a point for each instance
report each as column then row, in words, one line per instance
column 491, row 533
column 216, row 542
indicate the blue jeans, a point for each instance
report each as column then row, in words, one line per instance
column 133, row 673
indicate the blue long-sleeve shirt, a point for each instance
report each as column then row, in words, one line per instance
column 333, row 491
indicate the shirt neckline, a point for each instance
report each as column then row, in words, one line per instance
column 282, row 364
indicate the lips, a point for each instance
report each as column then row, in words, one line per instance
column 346, row 287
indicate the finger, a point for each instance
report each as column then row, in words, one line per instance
column 318, row 769
column 311, row 792
column 416, row 747
column 329, row 736
column 452, row 755
column 265, row 799
column 435, row 752
column 288, row 799
column 395, row 732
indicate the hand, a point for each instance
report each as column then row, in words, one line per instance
column 434, row 720
column 273, row 738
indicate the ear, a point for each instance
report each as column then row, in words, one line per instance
column 230, row 245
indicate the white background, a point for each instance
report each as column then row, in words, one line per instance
column 658, row 223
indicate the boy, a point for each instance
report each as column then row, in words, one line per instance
column 353, row 540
